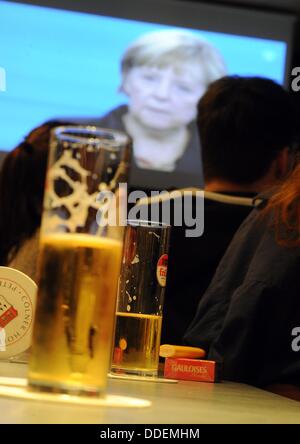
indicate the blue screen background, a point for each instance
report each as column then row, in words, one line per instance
column 61, row 63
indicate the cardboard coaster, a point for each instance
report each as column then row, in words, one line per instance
column 17, row 307
column 141, row 378
column 17, row 388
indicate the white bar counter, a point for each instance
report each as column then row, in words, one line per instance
column 172, row 403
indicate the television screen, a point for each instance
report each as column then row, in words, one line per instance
column 66, row 63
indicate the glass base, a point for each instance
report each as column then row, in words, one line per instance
column 17, row 389
column 134, row 371
column 22, row 358
column 47, row 387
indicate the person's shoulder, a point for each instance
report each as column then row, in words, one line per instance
column 117, row 111
column 228, row 210
column 111, row 119
column 256, row 245
column 114, row 118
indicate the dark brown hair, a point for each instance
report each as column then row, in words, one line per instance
column 22, row 188
column 244, row 122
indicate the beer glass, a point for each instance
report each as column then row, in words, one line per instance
column 140, row 299
column 79, row 261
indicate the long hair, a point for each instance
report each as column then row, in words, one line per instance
column 285, row 206
column 22, row 188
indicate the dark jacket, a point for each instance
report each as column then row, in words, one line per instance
column 193, row 260
column 246, row 317
column 188, row 170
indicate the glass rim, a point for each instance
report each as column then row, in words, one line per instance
column 67, row 133
column 143, row 223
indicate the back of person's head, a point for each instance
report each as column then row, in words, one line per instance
column 177, row 48
column 22, row 180
column 244, row 122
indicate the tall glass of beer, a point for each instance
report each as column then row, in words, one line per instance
column 140, row 299
column 79, row 260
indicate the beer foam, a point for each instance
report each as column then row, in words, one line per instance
column 79, row 201
column 81, row 240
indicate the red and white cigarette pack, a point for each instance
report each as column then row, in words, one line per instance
column 192, row 369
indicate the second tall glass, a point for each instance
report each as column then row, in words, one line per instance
column 140, row 298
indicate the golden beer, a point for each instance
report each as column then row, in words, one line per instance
column 137, row 341
column 75, row 313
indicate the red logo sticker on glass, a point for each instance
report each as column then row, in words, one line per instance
column 161, row 270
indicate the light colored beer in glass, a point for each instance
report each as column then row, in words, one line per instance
column 137, row 341
column 140, row 299
column 79, row 267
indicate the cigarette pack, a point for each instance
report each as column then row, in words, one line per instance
column 192, row 369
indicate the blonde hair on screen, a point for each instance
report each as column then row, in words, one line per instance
column 174, row 48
